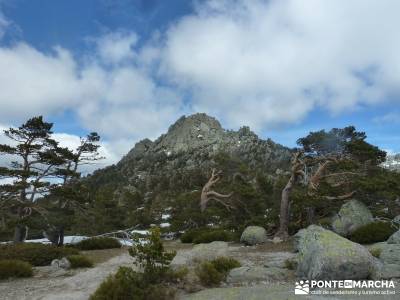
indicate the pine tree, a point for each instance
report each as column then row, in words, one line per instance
column 37, row 162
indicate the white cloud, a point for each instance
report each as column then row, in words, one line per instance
column 259, row 63
column 116, row 47
column 271, row 62
column 34, row 83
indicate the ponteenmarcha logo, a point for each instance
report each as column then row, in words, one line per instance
column 302, row 287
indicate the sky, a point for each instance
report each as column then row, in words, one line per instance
column 128, row 69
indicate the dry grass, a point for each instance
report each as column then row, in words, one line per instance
column 100, row 256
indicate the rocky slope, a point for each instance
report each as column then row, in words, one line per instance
column 181, row 160
column 192, row 143
column 392, row 162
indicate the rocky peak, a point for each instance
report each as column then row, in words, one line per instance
column 190, row 132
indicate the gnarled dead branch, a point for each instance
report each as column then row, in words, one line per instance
column 207, row 194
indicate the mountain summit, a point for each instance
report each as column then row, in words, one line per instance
column 156, row 173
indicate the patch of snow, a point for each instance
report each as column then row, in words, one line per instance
column 165, row 216
column 164, row 225
column 142, row 232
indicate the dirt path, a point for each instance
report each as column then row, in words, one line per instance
column 79, row 286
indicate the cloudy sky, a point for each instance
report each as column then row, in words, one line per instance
column 129, row 68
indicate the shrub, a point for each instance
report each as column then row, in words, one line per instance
column 290, row 264
column 208, row 274
column 373, row 232
column 213, row 272
column 15, row 268
column 151, row 257
column 176, row 275
column 98, row 243
column 35, row 254
column 80, row 261
column 190, row 235
column 225, row 264
column 216, row 235
column 376, row 252
column 126, row 284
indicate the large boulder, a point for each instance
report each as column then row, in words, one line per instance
column 200, row 253
column 257, row 274
column 254, row 235
column 394, row 238
column 383, row 270
column 390, row 254
column 324, row 255
column 388, row 264
column 352, row 215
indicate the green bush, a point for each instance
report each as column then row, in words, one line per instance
column 215, row 235
column 98, row 243
column 373, row 233
column 151, row 256
column 126, row 284
column 152, row 284
column 35, row 254
column 225, row 264
column 208, row 274
column 376, row 252
column 80, row 261
column 213, row 272
column 290, row 264
column 190, row 235
column 15, row 268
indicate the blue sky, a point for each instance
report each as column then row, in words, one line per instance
column 129, row 68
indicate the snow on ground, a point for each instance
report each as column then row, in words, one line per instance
column 165, row 216
column 74, row 239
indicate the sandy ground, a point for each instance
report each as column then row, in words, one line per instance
column 78, row 286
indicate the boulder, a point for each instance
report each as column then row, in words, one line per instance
column 325, row 255
column 199, row 253
column 385, row 271
column 390, row 254
column 394, row 238
column 352, row 215
column 257, row 274
column 254, row 235
column 396, row 220
column 62, row 263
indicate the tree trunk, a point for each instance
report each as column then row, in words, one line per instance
column 20, row 233
column 310, row 215
column 283, row 232
column 61, row 236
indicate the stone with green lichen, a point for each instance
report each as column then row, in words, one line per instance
column 352, row 215
column 390, row 254
column 394, row 238
column 325, row 255
column 200, row 253
column 254, row 235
